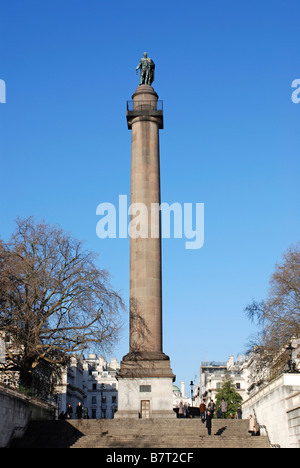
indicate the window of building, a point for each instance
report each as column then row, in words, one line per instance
column 145, row 388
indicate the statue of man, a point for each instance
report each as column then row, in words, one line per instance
column 147, row 68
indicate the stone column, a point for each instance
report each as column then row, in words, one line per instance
column 145, row 251
column 146, row 366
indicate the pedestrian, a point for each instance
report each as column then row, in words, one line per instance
column 187, row 410
column 223, row 407
column 211, row 407
column 239, row 412
column 252, row 426
column 180, row 411
column 69, row 412
column 208, row 422
column 79, row 411
column 202, row 411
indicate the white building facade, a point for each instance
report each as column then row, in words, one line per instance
column 92, row 382
column 71, row 391
column 101, row 387
column 212, row 375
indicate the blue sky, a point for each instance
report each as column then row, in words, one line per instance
column 231, row 141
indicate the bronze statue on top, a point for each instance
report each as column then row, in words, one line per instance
column 147, row 67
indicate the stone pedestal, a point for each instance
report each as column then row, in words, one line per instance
column 145, row 398
column 146, row 367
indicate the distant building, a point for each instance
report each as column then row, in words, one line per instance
column 92, row 382
column 101, row 387
column 257, row 373
column 248, row 373
column 179, row 395
column 71, row 390
column 212, row 376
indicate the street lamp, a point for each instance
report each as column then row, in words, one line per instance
column 291, row 365
column 192, row 391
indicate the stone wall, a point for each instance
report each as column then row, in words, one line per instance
column 293, row 415
column 277, row 407
column 16, row 409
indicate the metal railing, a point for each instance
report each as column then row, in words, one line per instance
column 144, row 105
column 263, row 428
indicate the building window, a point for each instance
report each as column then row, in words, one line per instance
column 94, row 386
column 94, row 400
column 145, row 388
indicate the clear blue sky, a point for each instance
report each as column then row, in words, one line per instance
column 231, row 141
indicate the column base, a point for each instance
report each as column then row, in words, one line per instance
column 145, row 387
column 145, row 364
column 148, row 398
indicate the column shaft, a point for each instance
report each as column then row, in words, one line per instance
column 145, row 253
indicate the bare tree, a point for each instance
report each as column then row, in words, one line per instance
column 278, row 315
column 54, row 300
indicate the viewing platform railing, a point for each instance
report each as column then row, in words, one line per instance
column 144, row 105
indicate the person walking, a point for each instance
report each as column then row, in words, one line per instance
column 180, row 411
column 69, row 412
column 208, row 422
column 223, row 407
column 79, row 411
column 211, row 407
column 239, row 412
column 202, row 409
column 252, row 426
column 187, row 410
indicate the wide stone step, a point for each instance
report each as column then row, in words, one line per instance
column 170, row 442
column 189, row 433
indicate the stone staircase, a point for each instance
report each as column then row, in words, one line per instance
column 146, row 433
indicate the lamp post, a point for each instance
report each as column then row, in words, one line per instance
column 192, row 391
column 291, row 365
